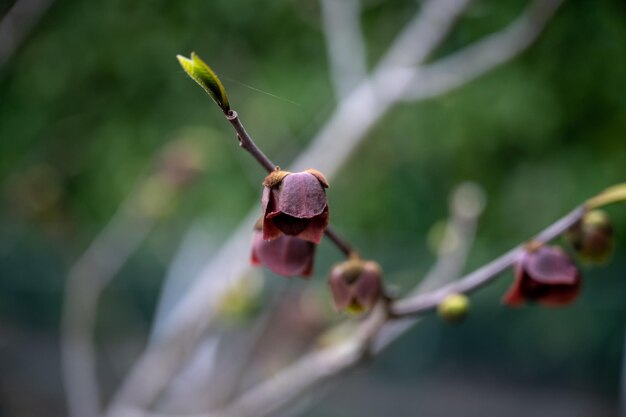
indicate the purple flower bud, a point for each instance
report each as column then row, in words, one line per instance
column 545, row 274
column 286, row 255
column 356, row 285
column 295, row 204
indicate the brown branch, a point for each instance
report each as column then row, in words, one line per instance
column 246, row 142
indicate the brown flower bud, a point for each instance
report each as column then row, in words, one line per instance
column 295, row 204
column 592, row 237
column 545, row 274
column 286, row 255
column 356, row 285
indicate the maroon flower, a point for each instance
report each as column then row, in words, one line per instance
column 546, row 275
column 355, row 285
column 286, row 255
column 295, row 204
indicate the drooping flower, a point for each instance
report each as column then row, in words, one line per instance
column 356, row 285
column 288, row 256
column 545, row 274
column 294, row 204
column 592, row 237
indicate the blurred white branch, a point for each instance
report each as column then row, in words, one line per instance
column 90, row 274
column 356, row 114
column 316, row 367
column 17, row 24
column 467, row 203
column 423, row 33
column 483, row 56
column 281, row 390
column 183, row 270
column 344, row 43
column 151, row 200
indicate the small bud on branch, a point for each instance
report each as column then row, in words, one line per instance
column 356, row 285
column 454, row 308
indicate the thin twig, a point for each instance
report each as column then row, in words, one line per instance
column 339, row 241
column 246, row 142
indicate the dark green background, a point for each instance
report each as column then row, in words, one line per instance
column 95, row 91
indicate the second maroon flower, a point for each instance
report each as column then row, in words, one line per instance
column 294, row 204
column 544, row 274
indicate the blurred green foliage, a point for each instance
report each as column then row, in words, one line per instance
column 95, row 92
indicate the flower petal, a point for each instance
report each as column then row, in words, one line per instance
column 301, row 195
column 316, row 228
column 514, row 296
column 270, row 231
column 254, row 258
column 560, row 295
column 367, row 287
column 551, row 265
column 287, row 256
column 339, row 288
column 320, row 177
column 289, row 225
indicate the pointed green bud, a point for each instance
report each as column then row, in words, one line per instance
column 201, row 73
column 454, row 308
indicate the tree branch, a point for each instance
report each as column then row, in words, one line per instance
column 90, row 274
column 423, row 303
column 466, row 205
column 17, row 24
column 103, row 259
column 275, row 393
column 483, row 56
column 344, row 44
